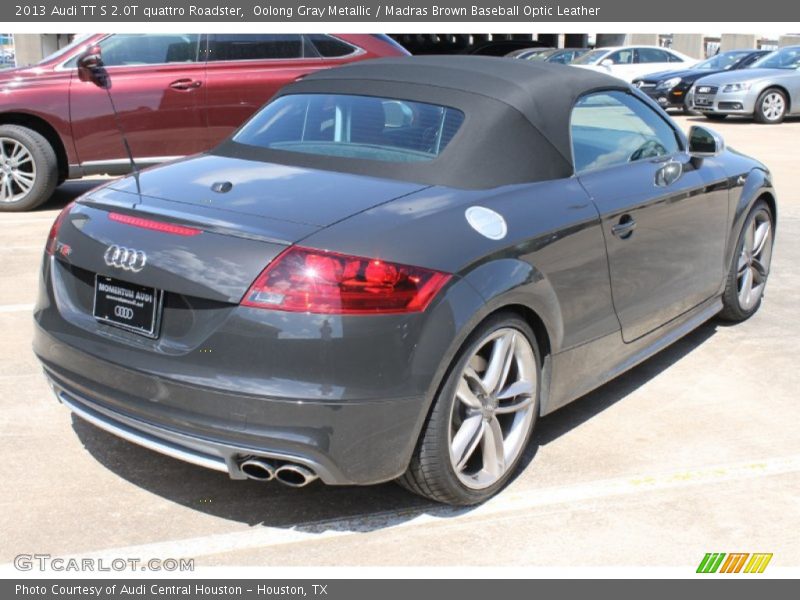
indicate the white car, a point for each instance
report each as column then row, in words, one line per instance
column 629, row 62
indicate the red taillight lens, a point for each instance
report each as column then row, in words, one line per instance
column 153, row 225
column 50, row 247
column 315, row 281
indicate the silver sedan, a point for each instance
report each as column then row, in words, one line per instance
column 769, row 90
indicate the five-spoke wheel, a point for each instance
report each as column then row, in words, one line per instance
column 754, row 259
column 482, row 417
column 748, row 275
column 493, row 409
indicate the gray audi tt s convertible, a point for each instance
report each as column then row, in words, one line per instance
column 394, row 268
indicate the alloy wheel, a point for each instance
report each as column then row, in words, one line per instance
column 17, row 170
column 493, row 408
column 754, row 260
column 773, row 106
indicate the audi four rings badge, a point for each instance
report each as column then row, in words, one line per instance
column 126, row 259
column 123, row 312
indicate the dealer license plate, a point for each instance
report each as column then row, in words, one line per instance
column 133, row 307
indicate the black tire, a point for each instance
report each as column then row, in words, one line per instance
column 715, row 116
column 732, row 310
column 430, row 473
column 762, row 116
column 45, row 178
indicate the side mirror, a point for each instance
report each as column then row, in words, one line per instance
column 90, row 67
column 606, row 62
column 704, row 142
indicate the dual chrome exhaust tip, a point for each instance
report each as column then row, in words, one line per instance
column 293, row 475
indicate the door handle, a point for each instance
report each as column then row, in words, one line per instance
column 669, row 173
column 185, row 84
column 624, row 229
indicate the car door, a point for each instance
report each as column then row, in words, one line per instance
column 664, row 214
column 158, row 88
column 246, row 70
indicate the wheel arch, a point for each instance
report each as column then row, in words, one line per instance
column 757, row 186
column 769, row 198
column 522, row 290
column 46, row 130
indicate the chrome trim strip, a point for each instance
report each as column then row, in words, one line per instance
column 141, row 439
column 141, row 160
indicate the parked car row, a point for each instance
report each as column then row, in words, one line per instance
column 629, row 62
column 175, row 94
column 768, row 90
column 761, row 84
column 671, row 88
column 624, row 62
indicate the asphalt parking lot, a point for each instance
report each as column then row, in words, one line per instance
column 697, row 450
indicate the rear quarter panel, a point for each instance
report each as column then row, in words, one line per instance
column 552, row 259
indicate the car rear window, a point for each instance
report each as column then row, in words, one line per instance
column 349, row 126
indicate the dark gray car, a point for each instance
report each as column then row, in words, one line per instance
column 394, row 269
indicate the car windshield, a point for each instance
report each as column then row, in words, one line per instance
column 786, row 58
column 590, row 58
column 348, row 126
column 720, row 62
column 544, row 56
column 66, row 49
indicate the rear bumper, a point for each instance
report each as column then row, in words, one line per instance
column 344, row 396
column 345, row 444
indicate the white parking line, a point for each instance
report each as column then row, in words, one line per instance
column 11, row 308
column 507, row 502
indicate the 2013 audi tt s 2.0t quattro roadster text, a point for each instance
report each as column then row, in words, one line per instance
column 394, row 268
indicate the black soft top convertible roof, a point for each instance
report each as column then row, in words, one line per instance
column 517, row 113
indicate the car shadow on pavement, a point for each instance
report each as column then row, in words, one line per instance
column 318, row 507
column 574, row 414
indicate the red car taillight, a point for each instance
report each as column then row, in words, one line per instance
column 316, row 281
column 50, row 247
column 161, row 226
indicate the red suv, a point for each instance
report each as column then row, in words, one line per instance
column 176, row 94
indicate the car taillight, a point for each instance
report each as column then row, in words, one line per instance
column 50, row 247
column 316, row 281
